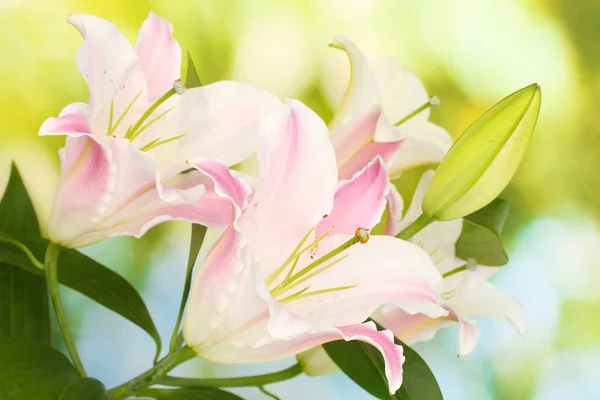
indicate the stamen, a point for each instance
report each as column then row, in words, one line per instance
column 134, row 132
column 294, row 295
column 434, row 101
column 288, row 284
column 276, row 273
column 152, row 121
column 303, row 294
column 111, row 128
column 158, row 142
column 326, row 257
column 363, row 234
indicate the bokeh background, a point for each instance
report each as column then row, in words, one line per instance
column 470, row 53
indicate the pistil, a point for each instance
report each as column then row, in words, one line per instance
column 434, row 101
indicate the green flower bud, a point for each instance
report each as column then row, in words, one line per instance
column 484, row 158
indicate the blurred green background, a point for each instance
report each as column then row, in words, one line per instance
column 470, row 53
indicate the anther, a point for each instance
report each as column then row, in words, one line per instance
column 363, row 234
column 434, row 101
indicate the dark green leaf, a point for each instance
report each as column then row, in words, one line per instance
column 418, row 382
column 480, row 237
column 89, row 278
column 201, row 393
column 84, row 388
column 32, row 371
column 198, row 234
column 364, row 365
column 24, row 308
column 192, row 79
column 17, row 215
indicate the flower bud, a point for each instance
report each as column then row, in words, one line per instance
column 484, row 158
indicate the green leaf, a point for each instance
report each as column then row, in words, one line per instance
column 192, row 79
column 418, row 382
column 84, row 388
column 89, row 278
column 362, row 363
column 484, row 158
column 200, row 393
column 481, row 235
column 24, row 308
column 17, row 215
column 198, row 234
column 365, row 366
column 32, row 371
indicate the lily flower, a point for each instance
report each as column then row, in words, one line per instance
column 467, row 291
column 296, row 267
column 384, row 112
column 123, row 166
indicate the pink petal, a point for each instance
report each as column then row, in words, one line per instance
column 395, row 207
column 468, row 336
column 355, row 145
column 362, row 93
column 478, row 298
column 71, row 121
column 358, row 202
column 401, row 93
column 159, row 55
column 384, row 342
column 113, row 190
column 410, row 328
column 109, row 65
column 419, row 328
column 221, row 120
column 85, row 179
column 297, row 182
column 385, row 270
column 222, row 272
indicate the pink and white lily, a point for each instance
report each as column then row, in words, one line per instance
column 385, row 112
column 288, row 273
column 466, row 292
column 123, row 165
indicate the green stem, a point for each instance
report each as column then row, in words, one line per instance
column 152, row 375
column 23, row 248
column 132, row 133
column 51, row 268
column 416, row 226
column 198, row 234
column 256, row 380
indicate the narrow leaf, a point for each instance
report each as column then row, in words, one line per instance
column 198, row 234
column 192, row 79
column 24, row 308
column 481, row 235
column 200, row 393
column 84, row 388
column 32, row 371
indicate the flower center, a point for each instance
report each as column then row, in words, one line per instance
column 141, row 125
column 294, row 279
column 434, row 101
